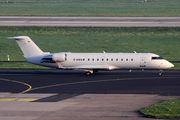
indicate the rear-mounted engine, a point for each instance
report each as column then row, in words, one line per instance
column 61, row 57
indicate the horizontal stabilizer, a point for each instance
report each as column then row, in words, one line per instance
column 18, row 37
column 28, row 47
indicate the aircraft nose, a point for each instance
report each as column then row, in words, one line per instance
column 170, row 65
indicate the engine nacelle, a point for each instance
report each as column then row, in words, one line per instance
column 61, row 57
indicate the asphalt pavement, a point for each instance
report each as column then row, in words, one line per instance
column 71, row 95
column 90, row 21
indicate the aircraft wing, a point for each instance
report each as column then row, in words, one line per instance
column 88, row 67
column 94, row 67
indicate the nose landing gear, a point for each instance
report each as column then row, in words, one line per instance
column 160, row 72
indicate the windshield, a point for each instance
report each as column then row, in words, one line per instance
column 157, row 58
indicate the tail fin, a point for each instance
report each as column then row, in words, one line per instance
column 28, row 47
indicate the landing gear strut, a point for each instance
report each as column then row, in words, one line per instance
column 160, row 72
column 88, row 73
column 91, row 72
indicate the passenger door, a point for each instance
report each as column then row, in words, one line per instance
column 142, row 62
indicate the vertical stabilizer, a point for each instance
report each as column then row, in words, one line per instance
column 28, row 47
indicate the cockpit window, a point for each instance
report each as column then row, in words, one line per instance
column 157, row 58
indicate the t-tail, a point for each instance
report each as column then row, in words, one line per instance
column 28, row 47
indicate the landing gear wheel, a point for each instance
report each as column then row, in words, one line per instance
column 160, row 72
column 88, row 73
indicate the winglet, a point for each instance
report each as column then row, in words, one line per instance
column 59, row 64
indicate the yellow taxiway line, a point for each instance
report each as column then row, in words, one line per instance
column 17, row 99
column 7, row 98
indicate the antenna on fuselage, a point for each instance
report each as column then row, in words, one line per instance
column 135, row 52
column 104, row 52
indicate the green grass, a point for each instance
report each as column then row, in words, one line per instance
column 91, row 8
column 176, row 66
column 21, row 66
column 162, row 41
column 166, row 109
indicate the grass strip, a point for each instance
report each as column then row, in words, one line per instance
column 21, row 66
column 114, row 8
column 162, row 41
column 166, row 109
column 176, row 66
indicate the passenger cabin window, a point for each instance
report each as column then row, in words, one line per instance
column 156, row 58
column 116, row 59
column 121, row 59
column 88, row 59
column 106, row 59
column 83, row 59
column 93, row 59
column 111, row 59
column 126, row 59
column 131, row 59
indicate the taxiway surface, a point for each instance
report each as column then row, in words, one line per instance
column 90, row 21
column 104, row 82
column 71, row 95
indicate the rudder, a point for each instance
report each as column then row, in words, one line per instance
column 28, row 47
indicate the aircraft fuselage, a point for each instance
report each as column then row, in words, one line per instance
column 107, row 61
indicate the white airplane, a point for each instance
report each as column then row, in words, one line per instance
column 90, row 62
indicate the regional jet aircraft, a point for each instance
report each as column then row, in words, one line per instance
column 90, row 62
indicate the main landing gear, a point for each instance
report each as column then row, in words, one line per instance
column 88, row 73
column 91, row 72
